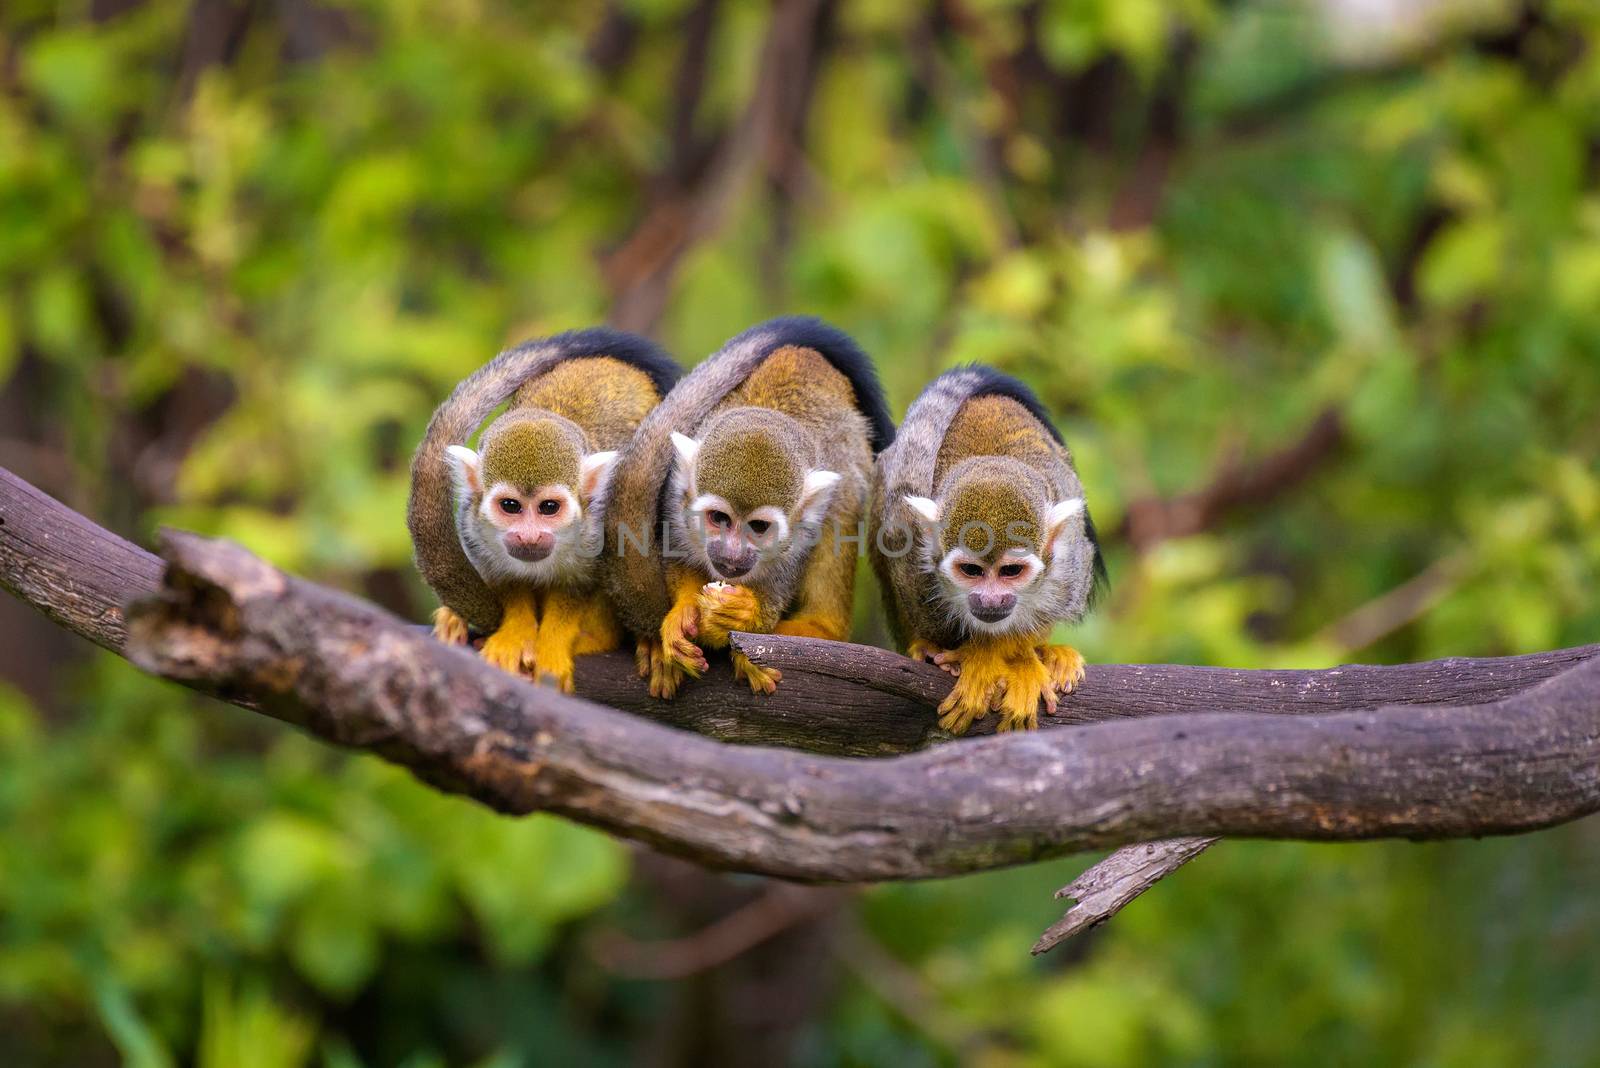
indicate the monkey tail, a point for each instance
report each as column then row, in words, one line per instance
column 431, row 510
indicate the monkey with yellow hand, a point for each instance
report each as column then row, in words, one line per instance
column 738, row 504
column 509, row 536
column 982, row 543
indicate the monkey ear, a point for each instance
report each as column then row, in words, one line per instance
column 464, row 465
column 592, row 469
column 688, row 451
column 816, row 493
column 1056, row 518
column 687, row 447
column 924, row 507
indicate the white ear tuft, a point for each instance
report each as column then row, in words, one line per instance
column 464, row 463
column 817, row 481
column 687, row 447
column 925, row 507
column 1057, row 517
column 815, row 494
column 1060, row 513
column 592, row 469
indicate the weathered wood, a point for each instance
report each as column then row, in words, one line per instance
column 354, row 675
column 1104, row 889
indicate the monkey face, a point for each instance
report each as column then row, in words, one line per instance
column 989, row 591
column 733, row 541
column 737, row 519
column 993, row 569
column 530, row 524
column 526, row 532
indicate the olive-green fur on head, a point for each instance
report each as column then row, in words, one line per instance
column 753, row 457
column 991, row 505
column 529, row 449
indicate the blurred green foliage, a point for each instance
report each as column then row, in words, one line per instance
column 239, row 266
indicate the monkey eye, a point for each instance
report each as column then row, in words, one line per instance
column 1010, row 570
column 759, row 526
column 510, row 505
column 719, row 519
column 549, row 506
column 972, row 570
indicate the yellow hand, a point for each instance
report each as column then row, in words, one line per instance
column 723, row 609
column 558, row 636
column 665, row 676
column 922, row 649
column 1003, row 674
column 681, row 656
column 511, row 647
column 1027, row 683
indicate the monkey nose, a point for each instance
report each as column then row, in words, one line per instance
column 529, row 551
column 992, row 609
column 729, row 567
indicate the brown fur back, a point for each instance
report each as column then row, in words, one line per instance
column 604, row 396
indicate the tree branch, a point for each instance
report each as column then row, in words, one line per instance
column 1460, row 748
column 1104, row 889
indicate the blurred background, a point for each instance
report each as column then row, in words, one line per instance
column 1312, row 287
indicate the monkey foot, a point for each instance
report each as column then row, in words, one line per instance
column 510, row 649
column 1000, row 677
column 725, row 608
column 1065, row 665
column 761, row 680
column 664, row 675
column 926, row 651
column 449, row 627
column 980, row 675
column 1028, row 683
column 678, row 649
column 554, row 670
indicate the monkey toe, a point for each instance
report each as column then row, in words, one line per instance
column 1065, row 666
column 760, row 679
column 449, row 627
column 559, row 680
column 665, row 678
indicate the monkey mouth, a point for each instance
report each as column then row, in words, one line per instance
column 990, row 615
column 730, row 571
column 528, row 554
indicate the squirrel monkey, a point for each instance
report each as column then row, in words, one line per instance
column 738, row 504
column 509, row 536
column 982, row 542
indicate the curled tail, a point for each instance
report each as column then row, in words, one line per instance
column 635, row 577
column 431, row 511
